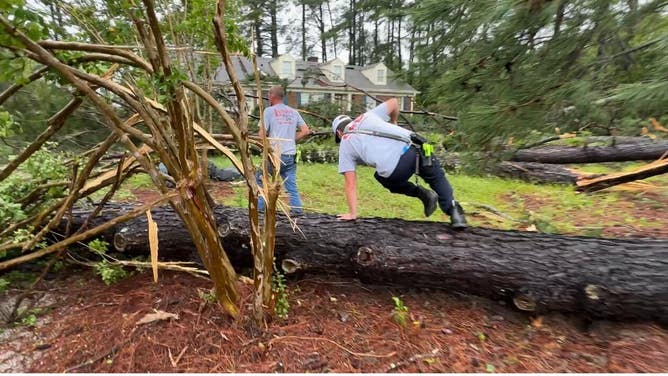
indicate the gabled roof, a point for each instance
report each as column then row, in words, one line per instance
column 310, row 76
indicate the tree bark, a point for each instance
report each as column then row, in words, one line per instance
column 274, row 28
column 593, row 154
column 602, row 278
column 539, row 172
column 321, row 27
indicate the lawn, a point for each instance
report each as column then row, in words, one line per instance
column 550, row 207
column 489, row 201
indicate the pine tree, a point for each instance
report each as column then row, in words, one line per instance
column 517, row 69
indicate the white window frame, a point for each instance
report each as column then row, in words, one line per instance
column 289, row 66
column 381, row 76
column 317, row 97
column 337, row 72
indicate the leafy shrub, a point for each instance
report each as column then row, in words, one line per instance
column 110, row 273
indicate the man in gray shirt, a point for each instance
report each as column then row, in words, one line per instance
column 374, row 139
column 281, row 123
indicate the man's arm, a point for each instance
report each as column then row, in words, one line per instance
column 350, row 178
column 303, row 131
column 388, row 109
column 393, row 110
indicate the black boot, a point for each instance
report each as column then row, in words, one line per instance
column 457, row 219
column 429, row 199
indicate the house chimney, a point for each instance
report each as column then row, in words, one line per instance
column 312, row 59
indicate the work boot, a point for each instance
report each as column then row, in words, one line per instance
column 457, row 219
column 429, row 199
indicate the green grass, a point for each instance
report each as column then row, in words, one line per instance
column 553, row 208
column 321, row 188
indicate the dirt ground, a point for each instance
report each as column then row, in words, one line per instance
column 334, row 325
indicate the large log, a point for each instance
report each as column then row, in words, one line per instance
column 610, row 278
column 650, row 150
column 540, row 172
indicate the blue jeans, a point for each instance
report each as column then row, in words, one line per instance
column 289, row 175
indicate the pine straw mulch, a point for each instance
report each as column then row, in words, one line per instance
column 334, row 326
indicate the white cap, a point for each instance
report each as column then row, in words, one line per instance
column 338, row 120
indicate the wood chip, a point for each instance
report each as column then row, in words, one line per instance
column 157, row 316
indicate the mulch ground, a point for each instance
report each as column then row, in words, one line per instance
column 333, row 326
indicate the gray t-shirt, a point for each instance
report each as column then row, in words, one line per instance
column 281, row 121
column 379, row 152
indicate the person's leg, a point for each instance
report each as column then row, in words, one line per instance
column 398, row 181
column 435, row 177
column 258, row 178
column 289, row 175
column 403, row 187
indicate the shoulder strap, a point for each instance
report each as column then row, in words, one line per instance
column 378, row 134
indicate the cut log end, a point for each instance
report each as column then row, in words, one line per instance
column 290, row 266
column 120, row 243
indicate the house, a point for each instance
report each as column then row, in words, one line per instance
column 312, row 81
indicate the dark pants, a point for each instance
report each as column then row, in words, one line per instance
column 398, row 181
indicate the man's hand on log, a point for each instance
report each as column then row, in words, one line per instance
column 346, row 217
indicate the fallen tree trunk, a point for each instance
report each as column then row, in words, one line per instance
column 593, row 154
column 540, row 172
column 612, row 278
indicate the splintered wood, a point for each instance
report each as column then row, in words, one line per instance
column 652, row 169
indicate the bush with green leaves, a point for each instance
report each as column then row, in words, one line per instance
column 282, row 307
column 98, row 246
column 110, row 272
column 45, row 166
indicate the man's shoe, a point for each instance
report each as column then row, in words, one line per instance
column 429, row 199
column 457, row 219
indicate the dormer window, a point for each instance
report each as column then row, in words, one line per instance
column 380, row 76
column 286, row 69
column 337, row 72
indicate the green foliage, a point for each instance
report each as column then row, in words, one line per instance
column 399, row 312
column 511, row 68
column 8, row 127
column 166, row 85
column 44, row 166
column 29, row 320
column 282, row 306
column 208, row 296
column 28, row 21
column 98, row 246
column 109, row 272
column 26, row 234
column 18, row 277
column 4, row 284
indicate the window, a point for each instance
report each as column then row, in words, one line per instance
column 317, row 98
column 407, row 103
column 380, row 76
column 337, row 72
column 369, row 103
column 286, row 69
column 304, row 99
